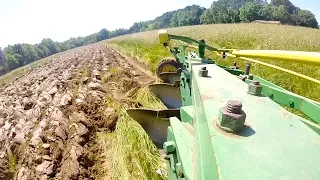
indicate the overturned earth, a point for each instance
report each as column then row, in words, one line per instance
column 49, row 116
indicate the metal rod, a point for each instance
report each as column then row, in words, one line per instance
column 276, row 67
column 247, row 69
column 311, row 58
column 268, row 65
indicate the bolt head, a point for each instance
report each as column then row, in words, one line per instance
column 255, row 82
column 291, row 103
column 203, row 72
column 231, row 122
column 255, row 88
column 169, row 147
column 179, row 170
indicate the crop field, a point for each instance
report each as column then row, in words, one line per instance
column 146, row 48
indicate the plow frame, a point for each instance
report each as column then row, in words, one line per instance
column 189, row 147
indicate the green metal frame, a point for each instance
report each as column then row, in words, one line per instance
column 276, row 93
column 203, row 152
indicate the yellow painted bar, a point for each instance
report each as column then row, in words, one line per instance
column 277, row 67
column 312, row 58
column 270, row 65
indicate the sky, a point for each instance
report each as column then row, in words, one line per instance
column 29, row 21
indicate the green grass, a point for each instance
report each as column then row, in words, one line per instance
column 128, row 152
column 148, row 100
column 146, row 48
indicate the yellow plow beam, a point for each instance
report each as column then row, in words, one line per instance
column 311, row 58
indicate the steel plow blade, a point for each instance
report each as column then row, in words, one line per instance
column 154, row 122
column 170, row 77
column 169, row 94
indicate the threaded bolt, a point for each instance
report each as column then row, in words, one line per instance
column 247, row 69
column 231, row 117
column 234, row 106
column 255, row 82
column 203, row 72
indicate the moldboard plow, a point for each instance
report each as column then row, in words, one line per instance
column 225, row 123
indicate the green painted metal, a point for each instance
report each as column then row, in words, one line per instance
column 274, row 144
column 294, row 101
column 186, row 113
column 205, row 160
column 183, row 135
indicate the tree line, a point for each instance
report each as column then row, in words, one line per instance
column 18, row 55
column 234, row 11
column 221, row 11
column 231, row 11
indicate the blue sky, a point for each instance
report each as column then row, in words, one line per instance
column 29, row 21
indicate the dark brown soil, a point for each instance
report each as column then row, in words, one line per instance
column 48, row 117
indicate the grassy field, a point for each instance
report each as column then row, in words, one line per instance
column 145, row 47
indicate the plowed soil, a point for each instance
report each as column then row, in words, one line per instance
column 49, row 115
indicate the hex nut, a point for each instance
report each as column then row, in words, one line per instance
column 203, row 72
column 169, row 147
column 254, row 88
column 179, row 170
column 231, row 122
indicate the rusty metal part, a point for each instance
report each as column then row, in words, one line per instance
column 232, row 117
column 255, row 88
column 247, row 69
column 203, row 72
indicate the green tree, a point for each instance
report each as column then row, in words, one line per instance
column 103, row 34
column 250, row 11
column 45, row 50
column 29, row 53
column 3, row 64
column 306, row 18
column 12, row 60
column 39, row 51
column 136, row 27
column 289, row 7
column 281, row 14
column 267, row 12
column 47, row 42
column 226, row 11
column 206, row 17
